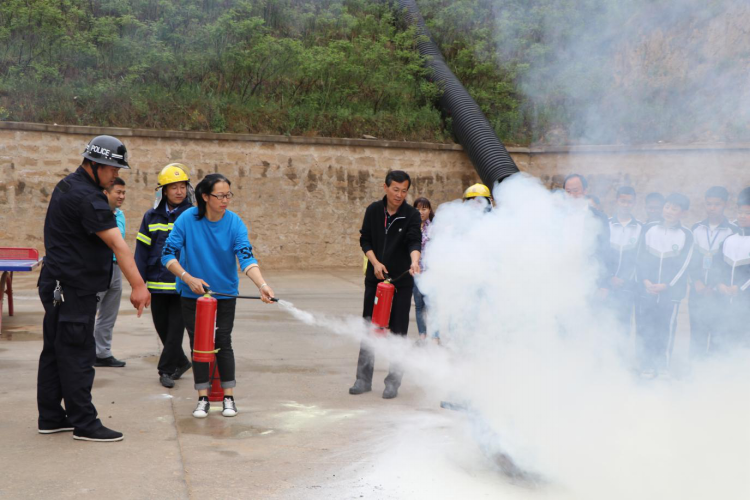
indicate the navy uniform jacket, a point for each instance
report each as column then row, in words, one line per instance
column 392, row 239
column 707, row 251
column 75, row 255
column 155, row 228
column 663, row 258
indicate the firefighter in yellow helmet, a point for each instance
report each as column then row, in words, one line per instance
column 174, row 195
column 172, row 174
column 479, row 193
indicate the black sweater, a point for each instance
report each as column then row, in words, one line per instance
column 392, row 241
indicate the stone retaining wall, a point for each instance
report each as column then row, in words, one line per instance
column 303, row 198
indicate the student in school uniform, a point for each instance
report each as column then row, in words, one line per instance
column 734, row 283
column 706, row 304
column 624, row 236
column 661, row 273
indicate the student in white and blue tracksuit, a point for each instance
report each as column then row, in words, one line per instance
column 661, row 273
column 210, row 240
column 624, row 237
column 734, row 282
column 706, row 305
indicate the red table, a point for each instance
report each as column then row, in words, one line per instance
column 14, row 260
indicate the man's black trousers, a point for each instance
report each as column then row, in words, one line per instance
column 399, row 325
column 66, row 365
column 166, row 311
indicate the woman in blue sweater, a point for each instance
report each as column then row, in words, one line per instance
column 209, row 240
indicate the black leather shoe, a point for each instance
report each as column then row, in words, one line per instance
column 166, row 380
column 111, row 362
column 102, row 435
column 64, row 426
column 181, row 370
column 360, row 387
column 390, row 392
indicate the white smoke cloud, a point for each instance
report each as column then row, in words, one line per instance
column 546, row 367
column 631, row 71
column 546, row 374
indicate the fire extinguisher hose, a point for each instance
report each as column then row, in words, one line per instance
column 253, row 297
column 388, row 278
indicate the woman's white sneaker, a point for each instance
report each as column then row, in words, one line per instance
column 201, row 411
column 230, row 409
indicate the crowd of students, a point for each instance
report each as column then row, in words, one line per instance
column 653, row 266
column 648, row 268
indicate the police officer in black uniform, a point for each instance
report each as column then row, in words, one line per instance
column 80, row 234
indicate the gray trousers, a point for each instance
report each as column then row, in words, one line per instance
column 106, row 314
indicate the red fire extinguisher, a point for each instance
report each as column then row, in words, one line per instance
column 205, row 321
column 381, row 311
column 216, row 393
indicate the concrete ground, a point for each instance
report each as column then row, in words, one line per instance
column 299, row 433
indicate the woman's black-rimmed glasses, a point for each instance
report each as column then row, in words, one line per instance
column 227, row 196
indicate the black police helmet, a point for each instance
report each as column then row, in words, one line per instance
column 107, row 150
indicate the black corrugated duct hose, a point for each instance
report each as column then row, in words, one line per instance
column 473, row 131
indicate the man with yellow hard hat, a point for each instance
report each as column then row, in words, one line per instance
column 174, row 195
column 479, row 193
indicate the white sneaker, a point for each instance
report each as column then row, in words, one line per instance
column 230, row 409
column 201, row 411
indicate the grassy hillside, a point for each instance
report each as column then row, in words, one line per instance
column 540, row 69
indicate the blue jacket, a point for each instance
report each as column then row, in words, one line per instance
column 210, row 250
column 155, row 228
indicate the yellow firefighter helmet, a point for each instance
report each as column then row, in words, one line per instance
column 477, row 190
column 174, row 172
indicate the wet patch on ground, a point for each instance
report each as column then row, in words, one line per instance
column 151, row 359
column 20, row 334
column 297, row 416
column 101, row 382
column 218, row 427
column 285, row 369
column 12, row 364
